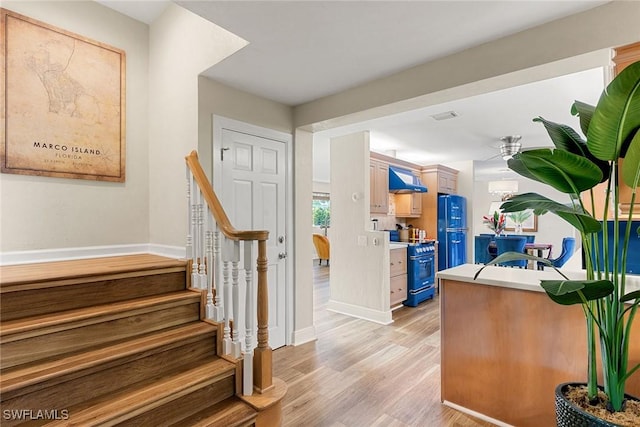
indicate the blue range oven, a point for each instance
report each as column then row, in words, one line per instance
column 421, row 271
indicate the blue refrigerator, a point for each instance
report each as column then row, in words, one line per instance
column 452, row 231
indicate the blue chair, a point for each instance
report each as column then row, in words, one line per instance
column 531, row 238
column 512, row 244
column 568, row 247
column 482, row 251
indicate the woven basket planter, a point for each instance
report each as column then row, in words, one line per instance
column 569, row 415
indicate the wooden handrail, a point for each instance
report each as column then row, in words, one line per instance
column 263, row 365
column 216, row 208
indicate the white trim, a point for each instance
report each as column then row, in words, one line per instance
column 377, row 316
column 64, row 254
column 219, row 124
column 304, row 336
column 475, row 414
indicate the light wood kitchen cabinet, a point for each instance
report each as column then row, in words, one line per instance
column 408, row 205
column 447, row 182
column 379, row 183
column 438, row 179
column 398, row 273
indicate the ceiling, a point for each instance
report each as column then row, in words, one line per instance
column 303, row 50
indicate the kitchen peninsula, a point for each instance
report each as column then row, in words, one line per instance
column 506, row 345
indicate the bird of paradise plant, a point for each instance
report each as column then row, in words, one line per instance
column 574, row 166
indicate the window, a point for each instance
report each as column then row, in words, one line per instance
column 321, row 210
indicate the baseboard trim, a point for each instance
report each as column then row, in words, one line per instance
column 304, row 336
column 64, row 254
column 475, row 414
column 377, row 316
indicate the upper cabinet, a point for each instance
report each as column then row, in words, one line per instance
column 379, row 183
column 408, row 205
column 442, row 178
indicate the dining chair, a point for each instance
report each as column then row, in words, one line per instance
column 568, row 247
column 511, row 244
column 322, row 247
column 482, row 253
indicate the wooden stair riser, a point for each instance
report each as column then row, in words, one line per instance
column 77, row 337
column 231, row 412
column 135, row 401
column 179, row 409
column 68, row 390
column 37, row 299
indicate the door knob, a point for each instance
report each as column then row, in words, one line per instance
column 282, row 255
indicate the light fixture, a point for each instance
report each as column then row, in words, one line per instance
column 504, row 189
column 510, row 145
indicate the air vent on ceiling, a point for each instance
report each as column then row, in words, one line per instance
column 444, row 116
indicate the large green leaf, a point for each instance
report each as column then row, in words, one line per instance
column 567, row 292
column 574, row 215
column 631, row 296
column 565, row 138
column 566, row 172
column 515, row 256
column 617, row 115
column 631, row 164
column 584, row 112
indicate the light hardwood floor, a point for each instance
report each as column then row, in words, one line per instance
column 361, row 374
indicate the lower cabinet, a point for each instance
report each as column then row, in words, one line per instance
column 398, row 272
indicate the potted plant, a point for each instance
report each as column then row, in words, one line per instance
column 518, row 219
column 495, row 222
column 574, row 166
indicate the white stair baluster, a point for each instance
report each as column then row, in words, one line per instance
column 217, row 277
column 202, row 273
column 194, row 232
column 247, row 382
column 226, row 336
column 209, row 309
column 235, row 260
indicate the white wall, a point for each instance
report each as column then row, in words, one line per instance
column 39, row 213
column 359, row 271
column 216, row 98
column 303, row 330
column 182, row 45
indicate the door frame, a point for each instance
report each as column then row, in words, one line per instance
column 221, row 123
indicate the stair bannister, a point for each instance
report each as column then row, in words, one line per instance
column 215, row 247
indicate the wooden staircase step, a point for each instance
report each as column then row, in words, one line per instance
column 82, row 269
column 18, row 302
column 36, row 289
column 127, row 361
column 231, row 412
column 38, row 338
column 150, row 402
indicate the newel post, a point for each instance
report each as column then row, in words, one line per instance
column 262, row 367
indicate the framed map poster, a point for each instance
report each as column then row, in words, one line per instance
column 63, row 102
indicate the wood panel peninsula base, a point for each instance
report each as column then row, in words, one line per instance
column 505, row 345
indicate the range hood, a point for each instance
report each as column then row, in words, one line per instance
column 403, row 181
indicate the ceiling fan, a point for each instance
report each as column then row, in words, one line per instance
column 510, row 145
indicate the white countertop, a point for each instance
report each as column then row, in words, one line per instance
column 517, row 278
column 398, row 245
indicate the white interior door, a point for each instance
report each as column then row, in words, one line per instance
column 254, row 197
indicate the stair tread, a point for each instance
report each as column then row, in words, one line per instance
column 230, row 412
column 57, row 270
column 136, row 400
column 94, row 314
column 25, row 376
